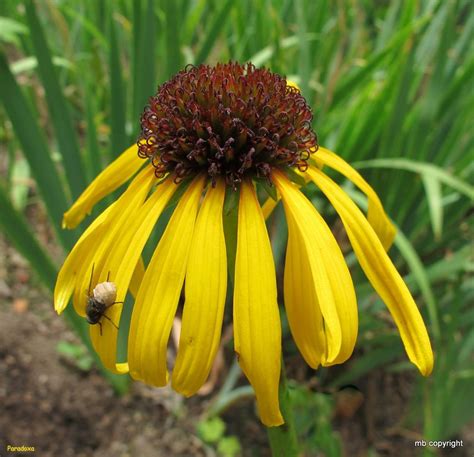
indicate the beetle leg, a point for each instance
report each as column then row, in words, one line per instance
column 111, row 321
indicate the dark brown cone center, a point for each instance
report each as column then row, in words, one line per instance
column 229, row 120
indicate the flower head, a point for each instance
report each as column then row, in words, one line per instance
column 230, row 121
column 211, row 132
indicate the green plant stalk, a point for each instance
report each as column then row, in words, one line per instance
column 283, row 442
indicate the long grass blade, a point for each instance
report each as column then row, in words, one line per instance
column 214, row 29
column 118, row 137
column 423, row 169
column 35, row 150
column 58, row 108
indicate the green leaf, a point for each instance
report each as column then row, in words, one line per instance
column 77, row 353
column 211, row 430
column 35, row 150
column 346, row 88
column 28, row 64
column 173, row 32
column 16, row 228
column 218, row 22
column 229, row 446
column 269, row 189
column 144, row 58
column 58, row 108
column 266, row 54
column 295, row 177
column 373, row 359
column 423, row 168
column 118, row 137
column 10, row 30
column 435, row 203
column 20, row 185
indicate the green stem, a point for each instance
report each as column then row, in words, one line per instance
column 283, row 442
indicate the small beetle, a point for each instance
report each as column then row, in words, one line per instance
column 103, row 296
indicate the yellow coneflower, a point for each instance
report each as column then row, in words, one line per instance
column 215, row 131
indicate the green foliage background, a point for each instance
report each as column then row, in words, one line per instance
column 391, row 87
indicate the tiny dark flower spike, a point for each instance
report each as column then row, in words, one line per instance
column 230, row 120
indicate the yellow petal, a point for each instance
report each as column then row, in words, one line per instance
column 157, row 299
column 120, row 263
column 94, row 269
column 379, row 221
column 268, row 207
column 205, row 292
column 67, row 275
column 324, row 273
column 119, row 216
column 117, row 173
column 381, row 273
column 301, row 302
column 291, row 83
column 257, row 330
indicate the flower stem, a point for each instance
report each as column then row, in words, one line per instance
column 283, row 442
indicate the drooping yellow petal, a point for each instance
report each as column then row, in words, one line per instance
column 301, row 302
column 117, row 173
column 121, row 262
column 325, row 272
column 381, row 273
column 268, row 207
column 157, row 299
column 104, row 334
column 205, row 292
column 257, row 330
column 117, row 218
column 67, row 276
column 376, row 215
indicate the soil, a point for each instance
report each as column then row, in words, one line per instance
column 49, row 403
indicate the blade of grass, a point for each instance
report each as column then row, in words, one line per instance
column 356, row 78
column 304, row 57
column 172, row 31
column 144, row 59
column 35, row 150
column 16, row 228
column 57, row 105
column 422, row 168
column 118, row 137
column 435, row 203
column 218, row 22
